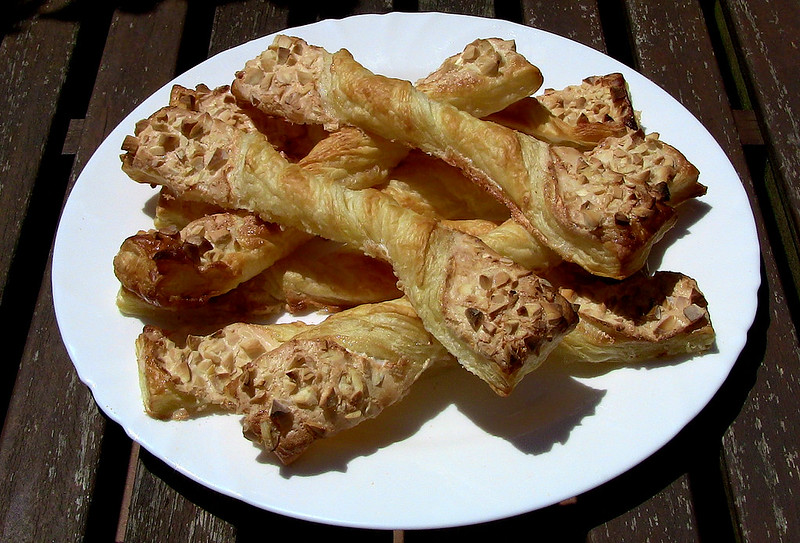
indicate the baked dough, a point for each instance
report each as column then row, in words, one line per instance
column 210, row 256
column 527, row 174
column 469, row 297
column 488, row 76
column 293, row 383
column 294, row 141
column 297, row 383
column 639, row 320
column 579, row 116
column 319, row 275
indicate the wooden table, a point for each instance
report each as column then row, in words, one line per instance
column 71, row 70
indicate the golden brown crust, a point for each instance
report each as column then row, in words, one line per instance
column 639, row 319
column 419, row 249
column 511, row 240
column 531, row 117
column 209, row 257
column 282, row 81
column 579, row 116
column 520, row 170
column 289, row 85
column 635, row 159
column 434, row 188
column 184, row 375
column 486, row 77
column 353, row 158
column 293, row 140
column 327, row 389
column 600, row 100
column 175, row 213
column 331, row 276
column 504, row 311
column 294, row 383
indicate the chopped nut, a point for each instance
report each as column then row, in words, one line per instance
column 474, row 317
column 694, row 313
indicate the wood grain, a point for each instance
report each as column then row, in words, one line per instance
column 759, row 455
column 52, row 417
column 578, row 21
column 34, row 61
column 764, row 36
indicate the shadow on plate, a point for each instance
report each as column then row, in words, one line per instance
column 540, row 413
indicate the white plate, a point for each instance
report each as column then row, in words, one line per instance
column 452, row 453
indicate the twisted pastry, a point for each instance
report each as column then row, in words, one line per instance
column 294, row 383
column 165, row 269
column 499, row 319
column 319, row 275
column 585, row 210
column 212, row 255
column 488, row 76
column 640, row 319
column 578, row 116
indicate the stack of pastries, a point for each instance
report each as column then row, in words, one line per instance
column 459, row 220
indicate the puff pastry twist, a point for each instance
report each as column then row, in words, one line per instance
column 557, row 197
column 294, row 383
column 499, row 319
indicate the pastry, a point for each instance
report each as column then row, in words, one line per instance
column 554, row 199
column 578, row 116
column 210, row 256
column 498, row 318
column 293, row 383
column 486, row 77
column 642, row 319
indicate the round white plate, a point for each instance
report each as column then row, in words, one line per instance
column 452, row 453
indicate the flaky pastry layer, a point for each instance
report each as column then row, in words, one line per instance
column 210, row 256
column 435, row 265
column 293, row 383
column 579, row 116
column 523, row 172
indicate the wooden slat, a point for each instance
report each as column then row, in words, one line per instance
column 34, row 60
column 578, row 21
column 237, row 23
column 763, row 34
column 33, row 64
column 608, row 513
column 141, row 54
column 162, row 500
column 747, row 125
column 758, row 451
column 53, row 418
column 479, row 8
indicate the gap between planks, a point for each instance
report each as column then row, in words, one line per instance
column 125, row 507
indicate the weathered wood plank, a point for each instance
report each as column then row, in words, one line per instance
column 51, row 442
column 479, row 8
column 161, row 498
column 758, row 451
column 39, row 452
column 763, row 34
column 142, row 54
column 33, row 64
column 578, row 21
column 240, row 22
column 52, row 413
column 35, row 56
column 661, row 508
